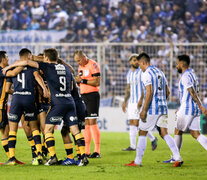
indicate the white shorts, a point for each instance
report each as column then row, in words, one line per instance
column 132, row 111
column 185, row 122
column 152, row 120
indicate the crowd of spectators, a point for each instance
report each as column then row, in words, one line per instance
column 110, row 20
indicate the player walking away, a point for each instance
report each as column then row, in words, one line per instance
column 188, row 114
column 4, row 127
column 133, row 93
column 23, row 102
column 59, row 80
column 89, row 81
column 154, row 110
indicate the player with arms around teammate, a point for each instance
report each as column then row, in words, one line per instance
column 188, row 114
column 89, row 81
column 4, row 127
column 59, row 79
column 154, row 109
column 23, row 102
column 133, row 93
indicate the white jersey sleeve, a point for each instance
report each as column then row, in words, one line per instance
column 146, row 79
column 186, row 81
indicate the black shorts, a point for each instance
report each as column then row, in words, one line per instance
column 3, row 118
column 62, row 112
column 92, row 101
column 22, row 105
column 81, row 113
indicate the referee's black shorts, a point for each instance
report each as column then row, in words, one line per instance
column 92, row 101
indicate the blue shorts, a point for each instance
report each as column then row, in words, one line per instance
column 62, row 112
column 43, row 108
column 3, row 118
column 22, row 105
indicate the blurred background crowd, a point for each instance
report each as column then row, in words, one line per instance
column 110, row 20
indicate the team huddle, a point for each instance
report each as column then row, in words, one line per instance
column 45, row 93
column 47, row 89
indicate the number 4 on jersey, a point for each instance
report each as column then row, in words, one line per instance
column 21, row 79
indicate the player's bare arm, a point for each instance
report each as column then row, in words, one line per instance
column 8, row 88
column 21, row 63
column 167, row 91
column 197, row 100
column 147, row 101
column 40, row 81
column 139, row 104
column 37, row 58
column 14, row 72
column 126, row 97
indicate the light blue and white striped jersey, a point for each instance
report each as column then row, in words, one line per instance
column 134, row 80
column 156, row 77
column 188, row 79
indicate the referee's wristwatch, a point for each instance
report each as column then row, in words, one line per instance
column 84, row 81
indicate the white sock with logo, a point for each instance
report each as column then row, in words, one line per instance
column 133, row 130
column 141, row 146
column 173, row 147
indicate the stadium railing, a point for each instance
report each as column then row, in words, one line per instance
column 113, row 60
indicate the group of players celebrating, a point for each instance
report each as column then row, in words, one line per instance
column 44, row 94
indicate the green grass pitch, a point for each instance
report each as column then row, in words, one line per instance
column 111, row 165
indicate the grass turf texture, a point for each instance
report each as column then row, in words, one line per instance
column 111, row 165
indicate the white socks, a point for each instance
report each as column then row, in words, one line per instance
column 178, row 141
column 150, row 136
column 171, row 144
column 202, row 140
column 141, row 145
column 133, row 130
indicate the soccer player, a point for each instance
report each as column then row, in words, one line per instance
column 23, row 102
column 59, row 80
column 89, row 81
column 81, row 113
column 4, row 127
column 188, row 114
column 154, row 109
column 133, row 93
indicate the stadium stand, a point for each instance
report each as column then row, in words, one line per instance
column 110, row 20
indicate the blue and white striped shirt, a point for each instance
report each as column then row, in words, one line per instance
column 134, row 80
column 188, row 79
column 156, row 78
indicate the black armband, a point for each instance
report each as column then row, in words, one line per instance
column 96, row 74
column 84, row 81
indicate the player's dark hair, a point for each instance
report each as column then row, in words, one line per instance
column 185, row 58
column 52, row 54
column 24, row 52
column 80, row 53
column 144, row 56
column 2, row 55
column 40, row 54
